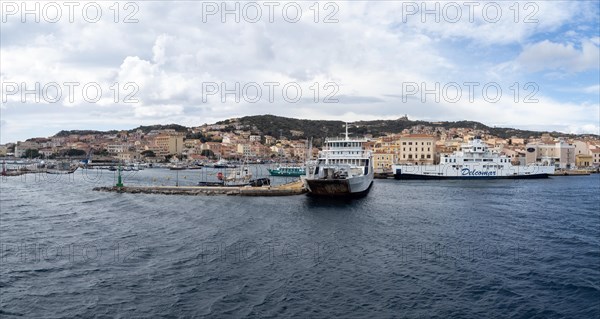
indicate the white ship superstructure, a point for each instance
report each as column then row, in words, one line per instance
column 474, row 160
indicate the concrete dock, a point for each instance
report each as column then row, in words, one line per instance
column 295, row 188
column 572, row 173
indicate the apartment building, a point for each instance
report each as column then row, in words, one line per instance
column 418, row 149
column 561, row 153
column 165, row 144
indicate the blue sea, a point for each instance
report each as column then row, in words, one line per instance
column 410, row 249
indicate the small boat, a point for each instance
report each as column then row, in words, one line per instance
column 61, row 168
column 177, row 167
column 238, row 178
column 222, row 164
column 252, row 183
column 294, row 171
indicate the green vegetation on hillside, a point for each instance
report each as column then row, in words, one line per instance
column 277, row 126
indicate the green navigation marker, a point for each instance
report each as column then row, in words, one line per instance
column 119, row 181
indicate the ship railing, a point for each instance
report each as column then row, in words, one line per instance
column 357, row 153
column 343, row 139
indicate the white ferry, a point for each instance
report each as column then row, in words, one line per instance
column 474, row 161
column 343, row 167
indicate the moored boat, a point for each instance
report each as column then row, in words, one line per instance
column 61, row 168
column 474, row 161
column 292, row 171
column 343, row 168
column 239, row 177
column 177, row 167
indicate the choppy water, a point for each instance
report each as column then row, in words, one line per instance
column 473, row 249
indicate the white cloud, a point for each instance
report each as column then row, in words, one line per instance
column 548, row 55
column 369, row 53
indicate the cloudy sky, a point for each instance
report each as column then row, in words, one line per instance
column 180, row 62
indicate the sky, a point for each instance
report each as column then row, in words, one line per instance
column 117, row 65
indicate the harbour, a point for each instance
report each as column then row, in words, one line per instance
column 481, row 243
column 309, row 159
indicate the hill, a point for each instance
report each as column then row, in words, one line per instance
column 276, row 125
column 283, row 126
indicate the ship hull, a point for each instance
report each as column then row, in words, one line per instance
column 470, row 172
column 286, row 174
column 60, row 172
column 354, row 187
column 431, row 177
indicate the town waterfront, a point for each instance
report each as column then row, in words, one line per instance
column 493, row 248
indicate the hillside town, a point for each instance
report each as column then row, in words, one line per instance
column 418, row 145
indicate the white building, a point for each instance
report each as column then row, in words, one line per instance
column 595, row 157
column 561, row 154
column 117, row 148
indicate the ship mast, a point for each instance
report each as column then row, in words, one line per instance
column 347, row 131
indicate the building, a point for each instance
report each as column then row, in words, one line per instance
column 254, row 138
column 387, row 145
column 418, row 149
column 382, row 162
column 560, row 154
column 214, row 147
column 229, row 151
column 595, row 157
column 517, row 141
column 583, row 160
column 117, row 148
column 245, row 150
column 46, row 152
column 296, row 133
column 269, row 140
column 581, row 147
column 167, row 144
column 192, row 142
column 129, row 156
column 22, row 147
